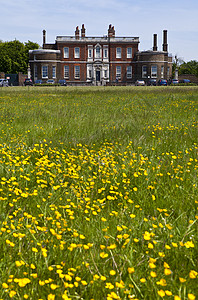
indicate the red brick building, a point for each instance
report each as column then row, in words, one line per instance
column 97, row 60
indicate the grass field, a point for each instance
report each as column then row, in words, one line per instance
column 98, row 193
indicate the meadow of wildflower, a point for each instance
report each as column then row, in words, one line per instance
column 98, row 193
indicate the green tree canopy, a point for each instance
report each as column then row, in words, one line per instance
column 14, row 56
column 190, row 67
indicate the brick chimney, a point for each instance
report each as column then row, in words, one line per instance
column 155, row 42
column 44, row 37
column 165, row 45
column 83, row 31
column 111, row 31
column 77, row 33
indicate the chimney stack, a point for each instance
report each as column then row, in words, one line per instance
column 155, row 42
column 165, row 45
column 111, row 31
column 44, row 37
column 77, row 33
column 83, row 31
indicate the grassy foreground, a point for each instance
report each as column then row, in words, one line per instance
column 98, row 193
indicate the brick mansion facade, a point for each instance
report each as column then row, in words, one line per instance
column 99, row 60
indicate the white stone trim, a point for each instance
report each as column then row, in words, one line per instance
column 45, row 61
column 152, row 61
column 43, row 51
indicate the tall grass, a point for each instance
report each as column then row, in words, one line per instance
column 98, row 193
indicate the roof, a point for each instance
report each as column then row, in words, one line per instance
column 60, row 39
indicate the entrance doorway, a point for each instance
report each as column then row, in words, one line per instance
column 97, row 75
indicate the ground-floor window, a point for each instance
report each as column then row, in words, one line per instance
column 44, row 71
column 144, row 71
column 53, row 71
column 66, row 72
column 154, row 71
column 162, row 71
column 77, row 72
column 118, row 72
column 129, row 72
column 35, row 71
column 168, row 71
column 89, row 71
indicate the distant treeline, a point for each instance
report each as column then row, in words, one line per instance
column 14, row 56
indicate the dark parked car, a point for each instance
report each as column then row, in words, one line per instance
column 28, row 81
column 185, row 81
column 4, row 82
column 62, row 82
column 162, row 82
column 38, row 81
column 152, row 82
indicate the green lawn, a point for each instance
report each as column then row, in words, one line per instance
column 98, row 194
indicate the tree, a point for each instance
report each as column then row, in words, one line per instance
column 14, row 56
column 5, row 63
column 30, row 46
column 190, row 67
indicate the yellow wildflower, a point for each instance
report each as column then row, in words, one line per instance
column 161, row 293
column 191, row 297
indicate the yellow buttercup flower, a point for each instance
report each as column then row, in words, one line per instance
column 191, row 297
column 193, row 274
column 161, row 293
column 153, row 274
column 112, row 272
column 131, row 270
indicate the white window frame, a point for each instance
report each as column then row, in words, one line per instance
column 77, row 72
column 105, row 53
column 97, row 54
column 66, row 72
column 154, row 73
column 76, row 52
column 90, row 53
column 129, row 53
column 144, row 72
column 105, row 73
column 35, row 71
column 118, row 52
column 168, row 71
column 53, row 71
column 162, row 71
column 129, row 72
column 118, row 72
column 44, row 72
column 66, row 52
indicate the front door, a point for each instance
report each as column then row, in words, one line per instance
column 97, row 75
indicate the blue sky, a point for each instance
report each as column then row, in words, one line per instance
column 25, row 20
